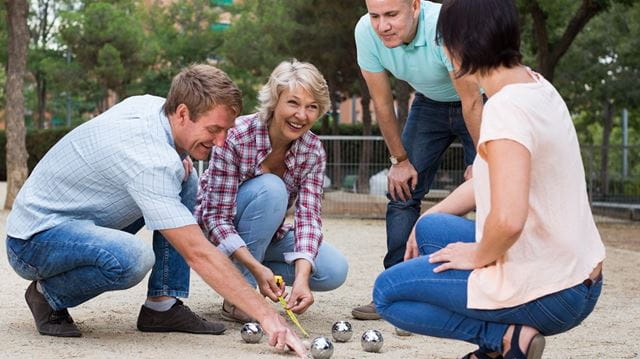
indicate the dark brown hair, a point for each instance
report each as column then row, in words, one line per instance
column 480, row 34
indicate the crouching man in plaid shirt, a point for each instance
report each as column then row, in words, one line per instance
column 269, row 161
column 71, row 230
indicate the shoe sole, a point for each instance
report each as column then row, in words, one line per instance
column 61, row 335
column 365, row 316
column 168, row 330
column 536, row 347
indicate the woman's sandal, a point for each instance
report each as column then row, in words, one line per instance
column 479, row 354
column 534, row 350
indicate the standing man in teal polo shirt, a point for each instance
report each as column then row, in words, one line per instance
column 399, row 36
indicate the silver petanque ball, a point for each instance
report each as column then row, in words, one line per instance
column 251, row 333
column 341, row 331
column 372, row 341
column 321, row 348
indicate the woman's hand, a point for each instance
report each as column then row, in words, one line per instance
column 301, row 297
column 267, row 283
column 412, row 246
column 458, row 255
column 188, row 167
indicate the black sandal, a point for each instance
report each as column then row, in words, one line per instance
column 479, row 354
column 534, row 350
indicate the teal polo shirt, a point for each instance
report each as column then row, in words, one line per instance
column 422, row 63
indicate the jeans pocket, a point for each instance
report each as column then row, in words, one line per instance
column 23, row 269
column 590, row 301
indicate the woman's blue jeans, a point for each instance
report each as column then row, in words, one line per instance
column 412, row 297
column 78, row 260
column 430, row 129
column 261, row 208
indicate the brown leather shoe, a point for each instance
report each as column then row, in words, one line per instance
column 233, row 314
column 365, row 312
column 177, row 319
column 57, row 323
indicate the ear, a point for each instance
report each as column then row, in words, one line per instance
column 416, row 7
column 182, row 113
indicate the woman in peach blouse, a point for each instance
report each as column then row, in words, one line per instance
column 530, row 263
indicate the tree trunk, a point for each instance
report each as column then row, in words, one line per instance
column 337, row 150
column 607, row 117
column 41, row 89
column 18, row 40
column 366, row 148
column 403, row 92
column 550, row 52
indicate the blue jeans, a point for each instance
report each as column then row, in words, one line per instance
column 78, row 260
column 261, row 208
column 412, row 297
column 431, row 127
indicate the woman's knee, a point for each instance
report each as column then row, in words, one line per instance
column 331, row 272
column 437, row 230
column 332, row 268
column 381, row 288
column 269, row 190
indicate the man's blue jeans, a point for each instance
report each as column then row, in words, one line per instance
column 78, row 260
column 430, row 129
column 261, row 208
column 412, row 297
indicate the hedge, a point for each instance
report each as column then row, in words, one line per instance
column 38, row 143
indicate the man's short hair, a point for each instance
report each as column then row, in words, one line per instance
column 480, row 34
column 201, row 87
column 291, row 74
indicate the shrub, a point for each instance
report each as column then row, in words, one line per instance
column 38, row 143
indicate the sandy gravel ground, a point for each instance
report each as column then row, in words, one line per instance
column 108, row 322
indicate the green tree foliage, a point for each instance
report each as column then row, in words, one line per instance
column 107, row 40
column 259, row 38
column 551, row 26
column 606, row 59
column 178, row 34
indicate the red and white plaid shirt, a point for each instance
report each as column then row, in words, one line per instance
column 239, row 160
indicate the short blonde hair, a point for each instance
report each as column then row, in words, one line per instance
column 291, row 74
column 201, row 87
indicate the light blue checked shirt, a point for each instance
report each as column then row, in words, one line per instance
column 112, row 170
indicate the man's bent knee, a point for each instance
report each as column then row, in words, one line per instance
column 134, row 264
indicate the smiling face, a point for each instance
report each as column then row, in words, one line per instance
column 394, row 21
column 295, row 113
column 199, row 136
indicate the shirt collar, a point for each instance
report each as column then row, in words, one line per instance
column 418, row 40
column 165, row 127
column 262, row 136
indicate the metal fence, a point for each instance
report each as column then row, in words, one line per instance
column 356, row 178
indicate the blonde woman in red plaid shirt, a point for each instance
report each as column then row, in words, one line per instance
column 269, row 162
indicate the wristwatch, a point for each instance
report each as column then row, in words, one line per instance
column 397, row 159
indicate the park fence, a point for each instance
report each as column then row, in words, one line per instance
column 356, row 178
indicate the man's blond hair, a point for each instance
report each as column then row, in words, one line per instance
column 201, row 87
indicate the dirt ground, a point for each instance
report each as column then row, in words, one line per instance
column 108, row 322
